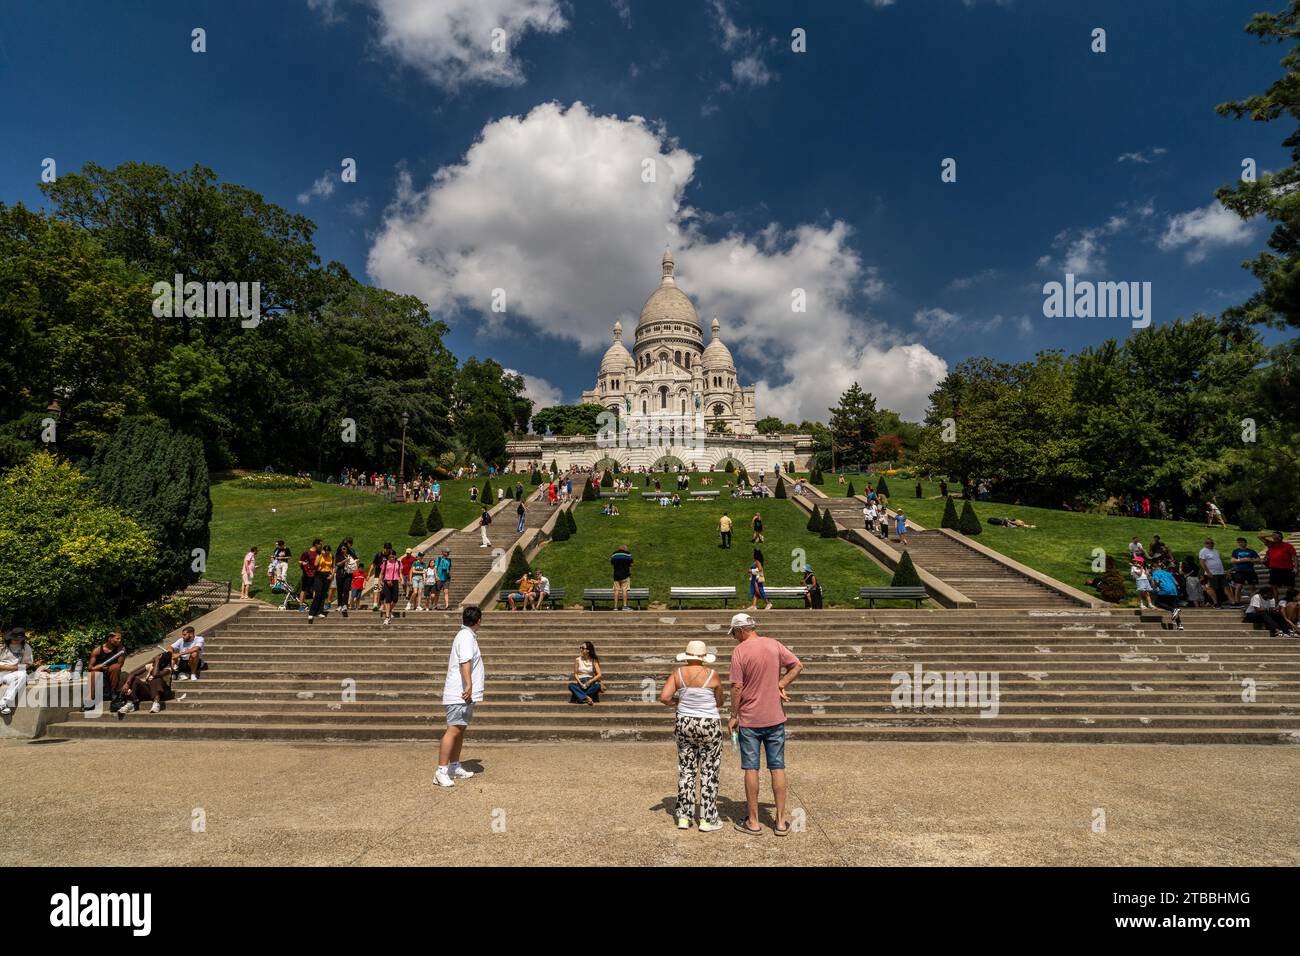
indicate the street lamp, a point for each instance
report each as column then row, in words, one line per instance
column 401, row 467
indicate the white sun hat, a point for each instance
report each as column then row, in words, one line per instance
column 697, row 651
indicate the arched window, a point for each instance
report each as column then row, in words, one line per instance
column 643, row 408
column 663, row 397
column 688, row 360
column 677, row 357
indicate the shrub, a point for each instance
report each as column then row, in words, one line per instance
column 433, row 523
column 273, row 482
column 919, row 493
column 815, row 477
column 417, row 529
column 160, row 478
column 560, row 530
column 517, row 567
column 730, row 467
column 607, row 479
column 536, row 479
column 485, row 496
column 589, row 492
column 1112, row 586
column 949, row 515
column 850, row 491
column 554, row 469
column 573, row 525
column 1248, row 517
column 66, row 555
column 969, row 523
column 882, row 488
column 645, row 480
column 828, row 525
column 815, row 520
column 905, row 575
column 742, row 475
column 68, row 644
column 780, row 488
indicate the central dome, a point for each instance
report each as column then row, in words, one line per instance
column 668, row 303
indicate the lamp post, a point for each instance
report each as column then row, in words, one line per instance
column 401, row 467
column 53, row 411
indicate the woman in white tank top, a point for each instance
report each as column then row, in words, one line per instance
column 698, row 698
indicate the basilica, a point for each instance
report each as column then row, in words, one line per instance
column 674, row 401
column 670, row 369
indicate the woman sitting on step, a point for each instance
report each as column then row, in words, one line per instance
column 585, row 688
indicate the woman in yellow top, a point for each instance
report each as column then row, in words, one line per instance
column 321, row 583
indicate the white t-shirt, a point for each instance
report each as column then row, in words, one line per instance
column 463, row 648
column 12, row 658
column 184, row 646
column 544, row 585
column 1260, row 603
column 1213, row 563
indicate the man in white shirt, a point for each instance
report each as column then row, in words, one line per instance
column 461, row 691
column 541, row 590
column 869, row 516
column 1213, row 580
column 188, row 657
column 15, row 658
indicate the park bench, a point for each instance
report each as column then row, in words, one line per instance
column 620, row 495
column 554, row 598
column 701, row 495
column 656, row 494
column 785, row 593
column 917, row 594
column 634, row 595
column 702, row 594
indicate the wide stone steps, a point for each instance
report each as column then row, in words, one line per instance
column 1063, row 675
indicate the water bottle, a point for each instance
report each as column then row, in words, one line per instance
column 735, row 741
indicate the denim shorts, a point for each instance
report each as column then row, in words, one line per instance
column 773, row 742
column 459, row 715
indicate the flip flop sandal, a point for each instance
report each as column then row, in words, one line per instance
column 740, row 825
column 779, row 832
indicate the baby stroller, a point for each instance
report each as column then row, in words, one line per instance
column 291, row 601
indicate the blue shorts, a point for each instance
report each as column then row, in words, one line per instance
column 773, row 741
column 459, row 715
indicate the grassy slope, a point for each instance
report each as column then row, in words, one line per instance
column 242, row 517
column 680, row 546
column 1061, row 544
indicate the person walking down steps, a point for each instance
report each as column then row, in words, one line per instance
column 484, row 520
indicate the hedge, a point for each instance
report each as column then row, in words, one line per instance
column 273, row 482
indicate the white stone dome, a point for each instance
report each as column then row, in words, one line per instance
column 716, row 355
column 617, row 357
column 668, row 303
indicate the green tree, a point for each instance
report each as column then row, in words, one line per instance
column 853, row 426
column 417, row 529
column 160, row 477
column 568, row 420
column 949, row 519
column 573, row 524
column 769, row 425
column 969, row 523
column 779, row 491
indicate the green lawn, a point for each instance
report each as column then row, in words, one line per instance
column 243, row 516
column 1062, row 543
column 680, row 546
column 831, row 486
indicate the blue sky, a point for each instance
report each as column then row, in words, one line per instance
column 775, row 170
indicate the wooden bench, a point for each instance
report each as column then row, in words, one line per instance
column 634, row 595
column 656, row 494
column 702, row 594
column 554, row 598
column 917, row 594
column 785, row 593
column 701, row 495
column 620, row 495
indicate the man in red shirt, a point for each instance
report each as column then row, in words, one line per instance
column 1280, row 559
column 757, row 694
column 307, row 563
column 408, row 559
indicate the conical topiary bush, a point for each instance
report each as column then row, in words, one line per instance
column 949, row 515
column 828, row 525
column 589, row 492
column 919, row 493
column 969, row 523
column 883, row 487
column 780, row 488
column 607, row 479
column 905, row 575
column 433, row 523
column 486, row 495
column 815, row 520
column 417, row 529
column 568, row 518
column 850, row 490
column 537, row 477
column 518, row 566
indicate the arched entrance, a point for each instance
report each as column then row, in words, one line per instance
column 668, row 463
column 736, row 463
column 606, row 463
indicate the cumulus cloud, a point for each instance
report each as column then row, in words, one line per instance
column 552, row 208
column 451, row 41
column 322, row 188
column 937, row 322
column 748, row 69
column 1204, row 230
column 542, row 392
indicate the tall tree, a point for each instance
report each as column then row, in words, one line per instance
column 853, row 426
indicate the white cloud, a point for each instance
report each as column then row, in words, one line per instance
column 748, row 69
column 1084, row 250
column 322, row 188
column 450, row 41
column 542, row 392
column 1205, row 230
column 624, row 10
column 1143, row 157
column 939, row 322
column 551, row 207
column 962, row 283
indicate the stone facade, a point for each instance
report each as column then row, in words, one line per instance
column 672, row 401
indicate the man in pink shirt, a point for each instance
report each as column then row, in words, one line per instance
column 757, row 694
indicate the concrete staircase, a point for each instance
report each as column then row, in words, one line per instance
column 979, row 577
column 1071, row 675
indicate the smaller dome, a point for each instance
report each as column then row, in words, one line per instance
column 716, row 355
column 617, row 357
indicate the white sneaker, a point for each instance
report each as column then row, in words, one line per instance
column 460, row 773
column 126, row 708
column 683, row 823
column 155, row 708
column 442, row 779
column 6, row 711
column 408, row 605
column 707, row 827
